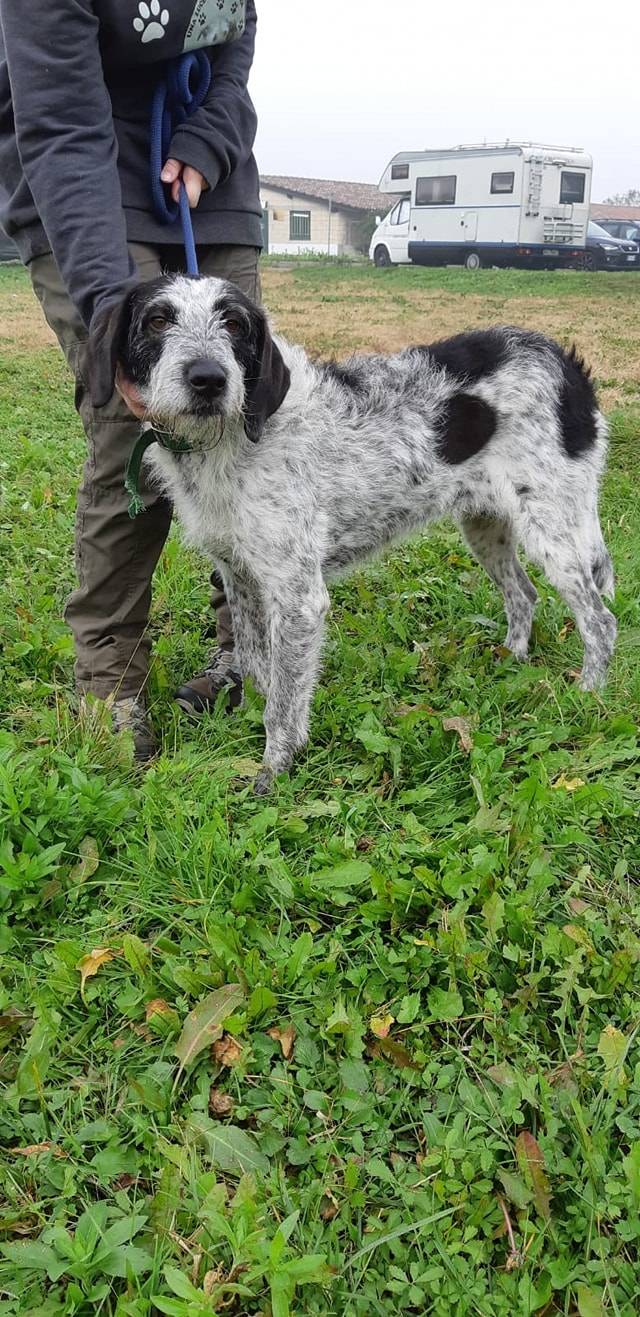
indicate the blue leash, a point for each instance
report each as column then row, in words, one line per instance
column 175, row 100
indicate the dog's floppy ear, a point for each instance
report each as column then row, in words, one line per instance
column 107, row 339
column 267, row 380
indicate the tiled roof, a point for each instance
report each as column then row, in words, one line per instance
column 601, row 210
column 355, row 196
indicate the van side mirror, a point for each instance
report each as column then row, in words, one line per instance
column 378, row 219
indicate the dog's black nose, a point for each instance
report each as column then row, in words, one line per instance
column 206, row 377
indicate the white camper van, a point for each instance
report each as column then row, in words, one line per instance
column 515, row 204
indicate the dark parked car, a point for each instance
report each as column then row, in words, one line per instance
column 626, row 229
column 604, row 252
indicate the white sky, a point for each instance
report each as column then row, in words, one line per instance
column 341, row 85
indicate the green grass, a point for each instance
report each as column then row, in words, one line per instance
column 487, row 901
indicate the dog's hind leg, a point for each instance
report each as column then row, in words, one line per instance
column 565, row 558
column 296, row 618
column 599, row 558
column 493, row 543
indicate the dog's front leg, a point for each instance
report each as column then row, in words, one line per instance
column 296, row 618
column 252, row 645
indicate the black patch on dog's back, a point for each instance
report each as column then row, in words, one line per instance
column 471, row 356
column 577, row 405
column 349, row 377
column 465, row 427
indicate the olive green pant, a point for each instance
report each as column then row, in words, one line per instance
column 115, row 556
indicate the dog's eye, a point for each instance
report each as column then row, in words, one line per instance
column 233, row 327
column 158, row 324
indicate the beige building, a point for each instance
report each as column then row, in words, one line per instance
column 319, row 215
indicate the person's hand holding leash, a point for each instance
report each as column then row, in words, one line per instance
column 175, row 173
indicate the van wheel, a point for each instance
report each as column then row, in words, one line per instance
column 381, row 257
column 473, row 261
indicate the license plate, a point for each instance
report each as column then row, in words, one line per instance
column 550, row 251
column 632, row 258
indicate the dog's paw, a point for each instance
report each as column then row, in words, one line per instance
column 264, row 781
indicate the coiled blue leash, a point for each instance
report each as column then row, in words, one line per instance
column 175, row 100
column 178, row 95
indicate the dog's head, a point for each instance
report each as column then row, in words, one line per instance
column 196, row 350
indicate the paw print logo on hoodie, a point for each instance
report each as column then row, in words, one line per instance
column 151, row 21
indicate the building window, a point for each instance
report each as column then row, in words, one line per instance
column 436, row 191
column 400, row 171
column 502, row 182
column 299, row 225
column 571, row 188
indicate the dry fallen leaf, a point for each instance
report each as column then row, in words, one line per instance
column 578, row 935
column 531, row 1163
column 158, row 1007
column 226, row 1051
column 203, row 1024
column 563, row 1077
column 220, row 1104
column 286, row 1038
column 33, row 1149
column 212, row 1278
column 563, row 783
column 576, row 905
column 462, row 727
column 395, row 1052
column 381, row 1024
column 123, row 1181
column 329, row 1206
column 141, row 1031
column 89, row 965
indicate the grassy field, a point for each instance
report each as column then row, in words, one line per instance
column 422, row 1094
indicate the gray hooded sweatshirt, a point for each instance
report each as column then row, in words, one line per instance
column 77, row 79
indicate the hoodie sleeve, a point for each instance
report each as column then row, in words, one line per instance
column 220, row 135
column 67, row 145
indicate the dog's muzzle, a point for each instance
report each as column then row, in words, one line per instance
column 206, row 380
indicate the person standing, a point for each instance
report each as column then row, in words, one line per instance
column 77, row 79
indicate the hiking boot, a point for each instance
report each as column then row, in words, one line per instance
column 130, row 715
column 199, row 695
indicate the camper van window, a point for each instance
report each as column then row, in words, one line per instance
column 299, row 225
column 400, row 213
column 400, row 171
column 502, row 182
column 571, row 188
column 436, row 191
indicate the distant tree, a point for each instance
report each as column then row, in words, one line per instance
column 630, row 198
column 362, row 231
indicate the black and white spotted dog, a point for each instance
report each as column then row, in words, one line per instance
column 302, row 469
